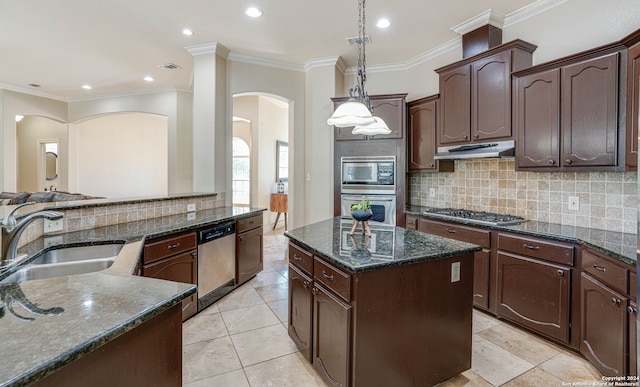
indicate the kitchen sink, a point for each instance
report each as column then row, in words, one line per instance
column 80, row 253
column 67, row 261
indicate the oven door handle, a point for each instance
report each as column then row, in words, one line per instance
column 372, row 198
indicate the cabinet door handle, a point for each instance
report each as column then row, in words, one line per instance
column 315, row 290
column 552, row 162
column 567, row 161
column 305, row 283
column 531, row 247
column 327, row 276
column 560, row 272
column 615, row 301
column 241, row 237
column 171, row 247
column 632, row 310
column 450, row 230
column 475, row 136
column 431, row 166
column 599, row 268
column 465, row 137
column 295, row 257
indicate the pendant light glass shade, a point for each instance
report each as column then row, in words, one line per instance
column 350, row 113
column 377, row 127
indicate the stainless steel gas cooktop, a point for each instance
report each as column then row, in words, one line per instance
column 479, row 217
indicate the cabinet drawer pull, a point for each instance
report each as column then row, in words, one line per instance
column 560, row 272
column 295, row 257
column 450, row 230
column 615, row 301
column 531, row 247
column 327, row 276
column 632, row 310
column 171, row 247
column 599, row 268
column 305, row 283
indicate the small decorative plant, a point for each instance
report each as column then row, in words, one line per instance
column 364, row 204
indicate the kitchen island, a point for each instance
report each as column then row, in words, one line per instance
column 391, row 309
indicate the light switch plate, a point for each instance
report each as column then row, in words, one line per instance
column 52, row 225
column 191, row 207
column 432, row 192
column 574, row 203
column 455, row 272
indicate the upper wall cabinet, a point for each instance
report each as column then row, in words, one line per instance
column 475, row 94
column 633, row 98
column 389, row 107
column 421, row 137
column 567, row 112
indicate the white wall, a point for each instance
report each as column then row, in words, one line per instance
column 122, row 155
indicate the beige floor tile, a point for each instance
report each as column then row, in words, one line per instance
column 213, row 308
column 495, row 364
column 280, row 265
column 208, row 358
column 482, row 321
column 535, row 377
column 467, row 379
column 275, row 292
column 240, row 298
column 571, row 368
column 235, row 378
column 290, row 370
column 202, row 327
column 269, row 278
column 266, row 267
column 262, row 344
column 249, row 318
column 281, row 309
column 520, row 343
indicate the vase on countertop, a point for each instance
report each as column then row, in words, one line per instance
column 362, row 215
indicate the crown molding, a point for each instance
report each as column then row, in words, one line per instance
column 335, row 61
column 209, row 48
column 265, row 62
column 489, row 16
column 31, row 91
column 531, row 10
column 128, row 94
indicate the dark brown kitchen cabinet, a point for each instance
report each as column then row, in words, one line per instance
column 567, row 113
column 390, row 107
column 475, row 94
column 533, row 285
column 423, row 118
column 249, row 248
column 412, row 222
column 300, row 310
column 608, row 329
column 174, row 258
column 481, row 259
column 331, row 337
column 633, row 99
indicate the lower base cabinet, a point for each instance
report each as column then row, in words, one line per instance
column 300, row 311
column 331, row 337
column 249, row 241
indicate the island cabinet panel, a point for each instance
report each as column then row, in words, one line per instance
column 482, row 259
column 608, row 328
column 331, row 337
column 149, row 355
column 174, row 258
column 249, row 246
column 535, row 294
column 301, row 311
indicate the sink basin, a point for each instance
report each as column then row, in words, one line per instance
column 81, row 253
column 67, row 261
column 52, row 270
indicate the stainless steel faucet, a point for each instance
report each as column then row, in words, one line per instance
column 11, row 231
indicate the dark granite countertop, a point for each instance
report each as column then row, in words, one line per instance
column 97, row 306
column 388, row 245
column 621, row 246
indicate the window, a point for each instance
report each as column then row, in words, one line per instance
column 241, row 173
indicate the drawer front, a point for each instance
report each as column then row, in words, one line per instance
column 412, row 222
column 605, row 271
column 537, row 248
column 300, row 258
column 335, row 279
column 249, row 223
column 167, row 247
column 473, row 235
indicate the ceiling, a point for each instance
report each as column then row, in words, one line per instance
column 113, row 44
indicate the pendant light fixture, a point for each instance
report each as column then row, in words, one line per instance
column 357, row 111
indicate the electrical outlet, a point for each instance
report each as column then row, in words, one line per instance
column 52, row 225
column 432, row 192
column 191, row 207
column 191, row 216
column 574, row 203
column 308, row 177
column 455, row 272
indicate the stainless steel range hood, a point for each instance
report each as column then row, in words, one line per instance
column 476, row 151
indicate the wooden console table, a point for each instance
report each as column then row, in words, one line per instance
column 279, row 204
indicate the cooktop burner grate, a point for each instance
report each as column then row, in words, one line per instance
column 476, row 216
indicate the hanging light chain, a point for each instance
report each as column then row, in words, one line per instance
column 358, row 92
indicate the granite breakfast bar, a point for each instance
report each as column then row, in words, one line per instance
column 391, row 309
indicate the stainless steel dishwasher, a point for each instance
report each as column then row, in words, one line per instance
column 216, row 262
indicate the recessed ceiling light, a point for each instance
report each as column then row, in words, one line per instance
column 383, row 23
column 253, row 12
column 148, row 78
column 187, row 32
column 33, row 85
column 87, row 87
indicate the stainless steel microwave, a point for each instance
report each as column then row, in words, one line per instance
column 368, row 174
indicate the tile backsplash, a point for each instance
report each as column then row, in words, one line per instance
column 607, row 200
